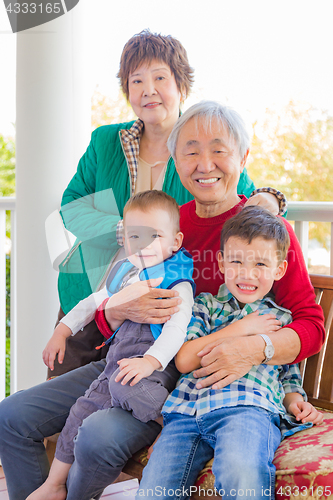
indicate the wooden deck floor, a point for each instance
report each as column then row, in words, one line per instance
column 113, row 492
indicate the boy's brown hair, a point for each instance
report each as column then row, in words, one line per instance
column 147, row 46
column 257, row 222
column 148, row 200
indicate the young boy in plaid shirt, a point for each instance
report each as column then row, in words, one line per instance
column 242, row 423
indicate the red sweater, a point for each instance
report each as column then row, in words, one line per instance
column 294, row 291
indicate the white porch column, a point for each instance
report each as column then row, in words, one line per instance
column 52, row 132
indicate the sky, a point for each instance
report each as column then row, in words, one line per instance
column 251, row 54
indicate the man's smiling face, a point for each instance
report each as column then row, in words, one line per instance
column 208, row 163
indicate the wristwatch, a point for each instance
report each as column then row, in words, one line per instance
column 269, row 348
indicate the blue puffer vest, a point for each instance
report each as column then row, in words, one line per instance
column 174, row 270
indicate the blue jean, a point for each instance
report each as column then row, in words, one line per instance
column 104, row 443
column 242, row 439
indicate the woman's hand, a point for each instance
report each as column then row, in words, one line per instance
column 56, row 345
column 265, row 200
column 141, row 302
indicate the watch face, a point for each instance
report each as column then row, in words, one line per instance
column 269, row 351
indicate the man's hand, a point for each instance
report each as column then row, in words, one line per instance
column 136, row 369
column 227, row 360
column 56, row 345
column 265, row 200
column 253, row 324
column 141, row 303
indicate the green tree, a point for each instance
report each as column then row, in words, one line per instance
column 105, row 111
column 7, row 188
column 293, row 151
column 7, row 166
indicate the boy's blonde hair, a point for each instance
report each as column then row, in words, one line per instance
column 147, row 200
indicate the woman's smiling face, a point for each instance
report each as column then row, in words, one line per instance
column 154, row 95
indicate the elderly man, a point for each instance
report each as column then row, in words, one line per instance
column 210, row 146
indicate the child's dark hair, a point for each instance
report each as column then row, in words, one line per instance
column 257, row 222
column 147, row 200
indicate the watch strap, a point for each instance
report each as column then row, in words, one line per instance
column 269, row 347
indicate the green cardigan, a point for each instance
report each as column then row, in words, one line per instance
column 93, row 204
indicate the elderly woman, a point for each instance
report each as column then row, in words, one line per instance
column 210, row 147
column 122, row 160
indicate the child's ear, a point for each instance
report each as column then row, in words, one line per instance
column 178, row 241
column 281, row 270
column 221, row 262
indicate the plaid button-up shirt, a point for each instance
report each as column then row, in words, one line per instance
column 264, row 385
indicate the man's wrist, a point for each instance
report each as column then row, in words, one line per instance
column 268, row 351
column 259, row 349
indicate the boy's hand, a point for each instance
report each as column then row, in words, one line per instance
column 255, row 323
column 56, row 345
column 305, row 412
column 136, row 369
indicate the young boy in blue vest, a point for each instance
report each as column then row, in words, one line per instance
column 240, row 424
column 140, row 371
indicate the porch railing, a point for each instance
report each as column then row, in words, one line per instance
column 303, row 212
column 300, row 212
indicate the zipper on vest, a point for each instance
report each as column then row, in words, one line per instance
column 71, row 253
column 108, row 341
column 128, row 168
